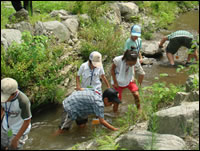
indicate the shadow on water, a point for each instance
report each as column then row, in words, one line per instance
column 45, row 123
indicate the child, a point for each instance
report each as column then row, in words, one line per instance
column 86, row 102
column 122, row 75
column 134, row 42
column 15, row 115
column 91, row 71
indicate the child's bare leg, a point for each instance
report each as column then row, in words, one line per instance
column 137, row 99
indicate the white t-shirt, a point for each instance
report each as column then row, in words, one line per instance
column 18, row 111
column 125, row 74
column 90, row 78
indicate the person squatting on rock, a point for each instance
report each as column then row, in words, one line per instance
column 122, row 71
column 15, row 115
column 176, row 40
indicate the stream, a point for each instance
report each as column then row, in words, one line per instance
column 46, row 122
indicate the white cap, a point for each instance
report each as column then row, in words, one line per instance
column 96, row 59
column 136, row 30
column 8, row 87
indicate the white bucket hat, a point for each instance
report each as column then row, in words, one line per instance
column 96, row 59
column 8, row 87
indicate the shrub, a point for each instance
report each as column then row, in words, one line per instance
column 162, row 94
column 33, row 64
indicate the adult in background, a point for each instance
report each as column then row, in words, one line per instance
column 176, row 40
column 21, row 12
column 16, row 115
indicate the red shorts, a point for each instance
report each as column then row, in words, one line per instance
column 132, row 87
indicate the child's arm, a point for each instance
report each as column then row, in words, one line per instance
column 162, row 42
column 2, row 113
column 78, row 87
column 140, row 55
column 140, row 71
column 103, row 77
column 106, row 124
column 113, row 75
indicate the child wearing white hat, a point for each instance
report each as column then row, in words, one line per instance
column 15, row 115
column 91, row 72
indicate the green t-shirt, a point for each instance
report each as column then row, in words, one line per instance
column 136, row 45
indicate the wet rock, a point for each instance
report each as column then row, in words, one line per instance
column 180, row 120
column 144, row 140
column 10, row 35
column 150, row 49
column 148, row 61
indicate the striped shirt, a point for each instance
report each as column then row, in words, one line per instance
column 180, row 33
column 84, row 103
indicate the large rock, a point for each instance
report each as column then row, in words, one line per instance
column 186, row 97
column 59, row 13
column 128, row 10
column 39, row 28
column 180, row 97
column 194, row 96
column 150, row 49
column 190, row 82
column 21, row 26
column 10, row 35
column 180, row 120
column 144, row 140
column 72, row 24
column 58, row 29
column 114, row 15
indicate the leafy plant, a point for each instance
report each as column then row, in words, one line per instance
column 161, row 94
column 33, row 64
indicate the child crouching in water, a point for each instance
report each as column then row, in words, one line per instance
column 122, row 75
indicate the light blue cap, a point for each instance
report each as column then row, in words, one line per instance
column 136, row 30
